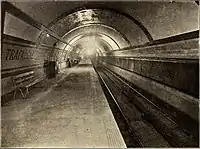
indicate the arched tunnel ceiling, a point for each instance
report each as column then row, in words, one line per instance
column 161, row 19
column 108, row 43
column 89, row 45
column 125, row 26
column 109, row 34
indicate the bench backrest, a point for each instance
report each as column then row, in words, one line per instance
column 18, row 80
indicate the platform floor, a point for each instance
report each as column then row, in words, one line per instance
column 69, row 111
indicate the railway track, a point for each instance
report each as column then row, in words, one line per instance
column 144, row 123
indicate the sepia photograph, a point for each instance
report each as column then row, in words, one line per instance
column 100, row 74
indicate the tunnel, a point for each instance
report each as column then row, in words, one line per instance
column 108, row 74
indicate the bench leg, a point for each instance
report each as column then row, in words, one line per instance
column 27, row 92
column 14, row 93
column 22, row 93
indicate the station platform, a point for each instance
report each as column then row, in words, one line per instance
column 70, row 111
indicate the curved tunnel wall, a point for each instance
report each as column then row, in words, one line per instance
column 32, row 47
column 182, row 13
column 111, row 33
column 156, row 59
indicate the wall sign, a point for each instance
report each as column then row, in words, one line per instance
column 19, row 54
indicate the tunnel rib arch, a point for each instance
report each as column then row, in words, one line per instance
column 100, row 24
column 115, row 37
column 81, row 35
column 135, row 21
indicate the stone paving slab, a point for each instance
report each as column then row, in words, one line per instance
column 70, row 112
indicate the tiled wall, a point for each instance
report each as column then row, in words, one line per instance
column 18, row 57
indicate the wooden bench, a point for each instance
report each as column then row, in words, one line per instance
column 24, row 81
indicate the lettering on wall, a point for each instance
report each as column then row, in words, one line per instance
column 12, row 54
